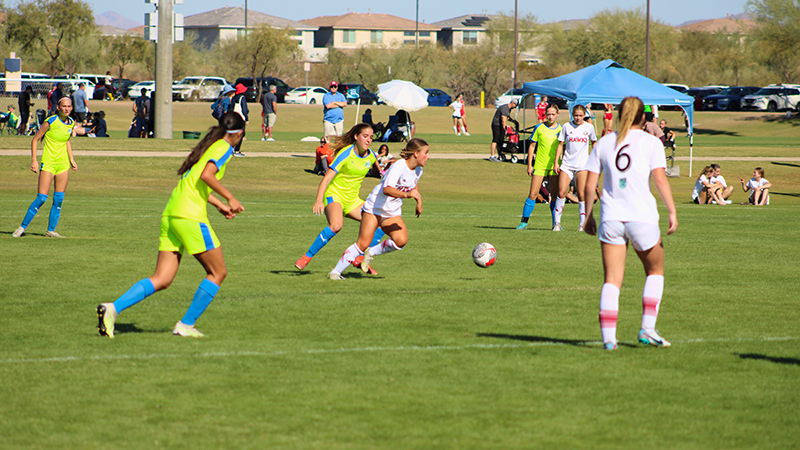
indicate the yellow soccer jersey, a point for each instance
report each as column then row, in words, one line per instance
column 189, row 199
column 547, row 144
column 350, row 171
column 56, row 138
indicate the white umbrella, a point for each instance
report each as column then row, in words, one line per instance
column 403, row 95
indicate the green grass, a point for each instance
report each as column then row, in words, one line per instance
column 433, row 353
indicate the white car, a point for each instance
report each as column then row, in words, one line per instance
column 198, row 88
column 511, row 94
column 306, row 95
column 135, row 91
column 775, row 97
column 73, row 86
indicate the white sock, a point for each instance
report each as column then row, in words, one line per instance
column 560, row 202
column 386, row 246
column 651, row 300
column 609, row 309
column 582, row 209
column 347, row 258
column 455, row 129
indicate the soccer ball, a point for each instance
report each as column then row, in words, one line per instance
column 484, row 255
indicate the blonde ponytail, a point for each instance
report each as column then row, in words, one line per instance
column 631, row 112
column 413, row 146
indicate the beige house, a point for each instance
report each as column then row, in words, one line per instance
column 463, row 30
column 353, row 30
column 226, row 23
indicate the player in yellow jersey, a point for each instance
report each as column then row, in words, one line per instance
column 56, row 163
column 545, row 145
column 337, row 195
column 185, row 227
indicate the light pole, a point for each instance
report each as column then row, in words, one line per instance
column 416, row 30
column 647, row 44
column 514, row 70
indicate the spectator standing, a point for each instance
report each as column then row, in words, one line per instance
column 52, row 99
column 717, row 178
column 141, row 111
column 25, row 104
column 541, row 109
column 269, row 102
column 456, row 107
column 499, row 127
column 333, row 111
column 81, row 103
column 239, row 106
column 608, row 118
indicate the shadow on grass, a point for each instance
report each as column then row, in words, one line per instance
column 773, row 118
column 786, row 194
column 349, row 274
column 784, row 164
column 120, row 328
column 788, row 361
column 550, row 340
column 710, row 132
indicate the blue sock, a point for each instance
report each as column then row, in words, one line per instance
column 553, row 211
column 55, row 210
column 326, row 235
column 527, row 210
column 33, row 209
column 202, row 298
column 376, row 238
column 138, row 292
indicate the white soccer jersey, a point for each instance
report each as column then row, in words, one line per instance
column 400, row 177
column 577, row 144
column 720, row 179
column 626, row 172
column 698, row 186
column 456, row 105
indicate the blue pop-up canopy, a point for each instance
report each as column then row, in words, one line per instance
column 609, row 82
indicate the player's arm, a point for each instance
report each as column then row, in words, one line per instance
column 319, row 207
column 664, row 189
column 209, row 177
column 590, row 226
column 72, row 162
column 35, row 143
column 559, row 153
column 531, row 151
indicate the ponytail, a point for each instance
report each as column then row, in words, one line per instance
column 413, row 146
column 349, row 138
column 229, row 122
column 631, row 112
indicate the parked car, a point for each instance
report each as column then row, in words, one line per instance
column 728, row 99
column 252, row 91
column 135, row 91
column 699, row 93
column 306, row 95
column 120, row 86
column 775, row 97
column 198, row 88
column 682, row 88
column 367, row 97
column 511, row 94
column 73, row 86
column 438, row 97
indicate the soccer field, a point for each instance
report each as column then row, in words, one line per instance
column 434, row 352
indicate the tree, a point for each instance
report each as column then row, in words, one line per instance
column 778, row 35
column 124, row 50
column 261, row 52
column 51, row 25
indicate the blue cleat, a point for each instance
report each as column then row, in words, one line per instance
column 522, row 226
column 609, row 346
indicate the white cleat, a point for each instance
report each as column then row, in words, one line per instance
column 181, row 329
column 53, row 234
column 652, row 338
column 335, row 276
column 557, row 227
column 19, row 232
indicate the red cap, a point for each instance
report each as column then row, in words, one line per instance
column 333, row 83
column 240, row 89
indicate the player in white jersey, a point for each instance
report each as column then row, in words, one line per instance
column 575, row 141
column 383, row 209
column 629, row 212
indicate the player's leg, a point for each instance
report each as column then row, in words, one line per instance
column 614, row 272
column 530, row 202
column 61, row 181
column 369, row 223
column 561, row 199
column 335, row 216
column 553, row 180
column 763, row 199
column 45, row 179
column 395, row 227
column 214, row 264
column 356, row 214
column 580, row 184
column 653, row 262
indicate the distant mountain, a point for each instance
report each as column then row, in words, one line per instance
column 115, row 20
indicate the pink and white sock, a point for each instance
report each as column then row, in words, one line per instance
column 386, row 246
column 609, row 310
column 347, row 258
column 651, row 300
column 582, row 209
column 560, row 202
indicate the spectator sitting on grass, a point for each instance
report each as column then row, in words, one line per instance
column 759, row 187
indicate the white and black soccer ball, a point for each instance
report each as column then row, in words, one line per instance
column 484, row 255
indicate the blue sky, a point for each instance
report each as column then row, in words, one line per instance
column 672, row 12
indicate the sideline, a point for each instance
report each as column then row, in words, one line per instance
column 128, row 154
column 412, row 348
